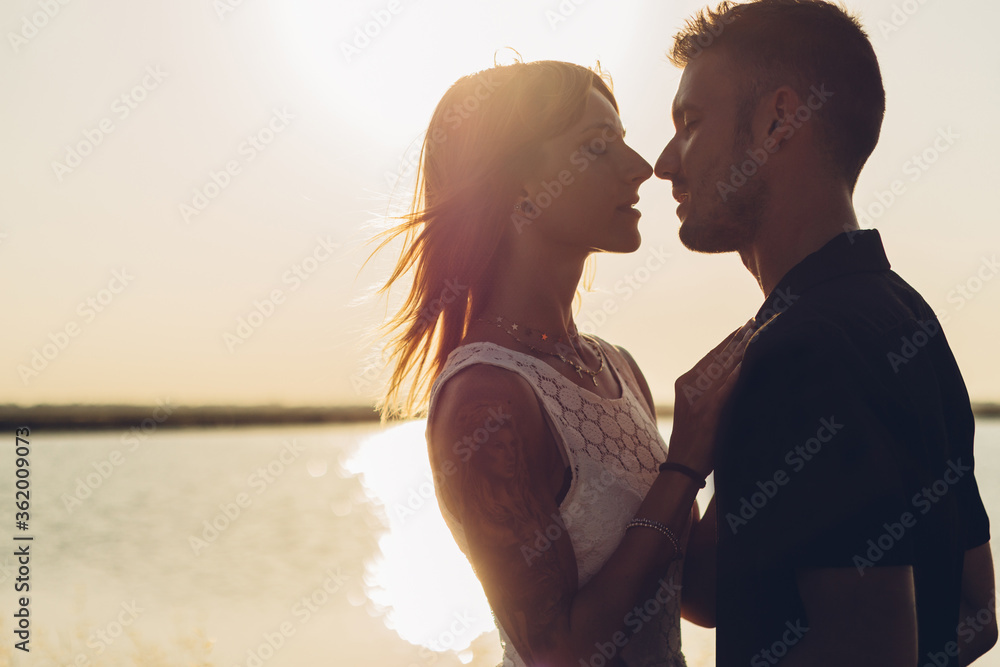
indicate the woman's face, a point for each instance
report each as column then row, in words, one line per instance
column 583, row 190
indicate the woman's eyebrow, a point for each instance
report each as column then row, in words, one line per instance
column 604, row 124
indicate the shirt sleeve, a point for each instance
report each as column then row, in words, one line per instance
column 943, row 424
column 975, row 523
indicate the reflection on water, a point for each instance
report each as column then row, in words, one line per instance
column 426, row 588
column 349, row 504
column 421, row 580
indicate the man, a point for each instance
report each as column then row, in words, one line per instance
column 849, row 524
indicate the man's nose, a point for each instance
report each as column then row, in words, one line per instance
column 668, row 164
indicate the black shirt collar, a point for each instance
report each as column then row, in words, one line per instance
column 851, row 252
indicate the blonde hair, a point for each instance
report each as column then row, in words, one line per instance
column 482, row 138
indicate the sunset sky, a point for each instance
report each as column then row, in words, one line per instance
column 172, row 167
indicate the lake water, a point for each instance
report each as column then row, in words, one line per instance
column 261, row 547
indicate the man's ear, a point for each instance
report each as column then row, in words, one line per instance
column 777, row 113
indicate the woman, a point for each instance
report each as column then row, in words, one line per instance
column 543, row 441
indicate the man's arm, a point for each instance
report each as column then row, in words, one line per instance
column 698, row 595
column 855, row 620
column 978, row 604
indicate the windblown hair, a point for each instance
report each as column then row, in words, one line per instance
column 799, row 43
column 483, row 137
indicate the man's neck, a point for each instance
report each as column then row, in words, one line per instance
column 791, row 233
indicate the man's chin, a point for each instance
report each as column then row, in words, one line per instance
column 708, row 239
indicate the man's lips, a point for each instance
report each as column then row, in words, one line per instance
column 681, row 197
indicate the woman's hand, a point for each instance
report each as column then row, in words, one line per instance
column 699, row 396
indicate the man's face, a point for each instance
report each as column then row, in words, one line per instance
column 718, row 212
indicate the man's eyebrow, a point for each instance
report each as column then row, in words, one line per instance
column 679, row 109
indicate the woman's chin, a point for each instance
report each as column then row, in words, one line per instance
column 625, row 243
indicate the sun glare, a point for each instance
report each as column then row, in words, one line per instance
column 421, row 580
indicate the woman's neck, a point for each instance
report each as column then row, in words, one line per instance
column 537, row 292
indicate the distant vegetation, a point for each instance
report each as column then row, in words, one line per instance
column 101, row 417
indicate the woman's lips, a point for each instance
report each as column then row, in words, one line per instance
column 629, row 207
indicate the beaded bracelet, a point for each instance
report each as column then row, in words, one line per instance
column 684, row 470
column 660, row 528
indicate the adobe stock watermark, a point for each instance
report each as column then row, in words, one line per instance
column 456, row 114
column 624, row 289
column 900, row 16
column 446, row 639
column 105, row 468
column 562, row 12
column 741, row 173
column 967, row 629
column 370, row 30
column 248, row 150
column 580, row 159
column 224, row 8
column 33, row 23
column 121, row 108
column 771, row 655
column 372, row 366
column 796, row 458
column 496, row 419
column 915, row 167
column 912, row 344
column 230, row 512
column 778, row 302
column 702, row 41
column 101, row 639
column 589, row 492
column 635, row 620
column 968, row 290
column 923, row 501
column 961, row 295
column 375, row 362
column 88, row 310
column 302, row 611
column 464, row 449
column 264, row 308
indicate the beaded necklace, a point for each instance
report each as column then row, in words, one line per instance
column 500, row 323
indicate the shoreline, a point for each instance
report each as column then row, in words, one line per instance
column 83, row 417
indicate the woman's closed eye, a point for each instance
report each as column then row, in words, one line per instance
column 596, row 146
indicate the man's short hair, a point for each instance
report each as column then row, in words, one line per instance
column 800, row 43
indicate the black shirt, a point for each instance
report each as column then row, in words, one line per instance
column 847, row 443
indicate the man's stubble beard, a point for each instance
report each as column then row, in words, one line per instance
column 730, row 225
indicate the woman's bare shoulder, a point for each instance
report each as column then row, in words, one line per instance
column 479, row 387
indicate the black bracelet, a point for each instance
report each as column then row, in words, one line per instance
column 684, row 470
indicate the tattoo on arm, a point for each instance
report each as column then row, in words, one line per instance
column 518, row 542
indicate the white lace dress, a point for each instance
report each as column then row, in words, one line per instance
column 613, row 448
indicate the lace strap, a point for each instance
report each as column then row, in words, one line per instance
column 625, row 372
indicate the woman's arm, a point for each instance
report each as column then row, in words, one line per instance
column 518, row 544
column 698, row 597
column 487, row 423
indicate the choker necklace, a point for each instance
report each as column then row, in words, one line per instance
column 499, row 322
